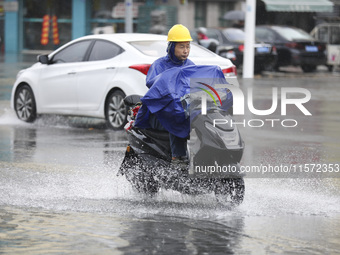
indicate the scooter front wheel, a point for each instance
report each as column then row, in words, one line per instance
column 147, row 185
column 140, row 176
column 230, row 191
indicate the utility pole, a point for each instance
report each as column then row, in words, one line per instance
column 128, row 16
column 249, row 40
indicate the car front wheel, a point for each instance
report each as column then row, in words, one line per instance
column 24, row 104
column 308, row 68
column 116, row 110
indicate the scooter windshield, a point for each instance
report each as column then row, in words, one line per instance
column 207, row 95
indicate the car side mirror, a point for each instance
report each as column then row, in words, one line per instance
column 43, row 59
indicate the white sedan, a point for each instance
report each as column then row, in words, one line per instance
column 90, row 76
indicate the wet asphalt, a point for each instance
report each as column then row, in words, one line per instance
column 58, row 181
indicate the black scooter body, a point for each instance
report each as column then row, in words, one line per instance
column 147, row 162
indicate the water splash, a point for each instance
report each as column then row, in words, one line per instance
column 91, row 185
column 99, row 189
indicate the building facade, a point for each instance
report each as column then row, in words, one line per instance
column 30, row 25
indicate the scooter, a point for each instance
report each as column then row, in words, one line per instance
column 147, row 162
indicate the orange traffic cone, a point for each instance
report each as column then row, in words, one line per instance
column 55, row 30
column 45, row 30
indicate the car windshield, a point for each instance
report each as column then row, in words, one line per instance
column 234, row 34
column 292, row 34
column 158, row 49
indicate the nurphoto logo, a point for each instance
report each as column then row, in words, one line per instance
column 239, row 104
column 215, row 144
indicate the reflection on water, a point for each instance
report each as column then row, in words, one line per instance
column 143, row 230
column 40, row 231
column 159, row 235
column 61, row 140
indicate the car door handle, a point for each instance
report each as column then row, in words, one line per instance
column 110, row 67
column 72, row 72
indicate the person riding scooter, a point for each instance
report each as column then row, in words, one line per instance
column 175, row 100
column 178, row 50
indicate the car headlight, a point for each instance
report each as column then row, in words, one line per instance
column 20, row 73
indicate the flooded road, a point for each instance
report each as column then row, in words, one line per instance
column 60, row 193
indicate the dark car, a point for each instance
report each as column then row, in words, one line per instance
column 231, row 45
column 294, row 46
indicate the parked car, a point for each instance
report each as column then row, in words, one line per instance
column 231, row 46
column 329, row 33
column 199, row 36
column 91, row 75
column 294, row 46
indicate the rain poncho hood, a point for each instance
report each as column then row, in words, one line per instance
column 164, row 97
column 165, row 63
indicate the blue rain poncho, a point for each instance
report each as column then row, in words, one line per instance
column 164, row 97
column 165, row 63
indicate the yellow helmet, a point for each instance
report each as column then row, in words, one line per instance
column 179, row 33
